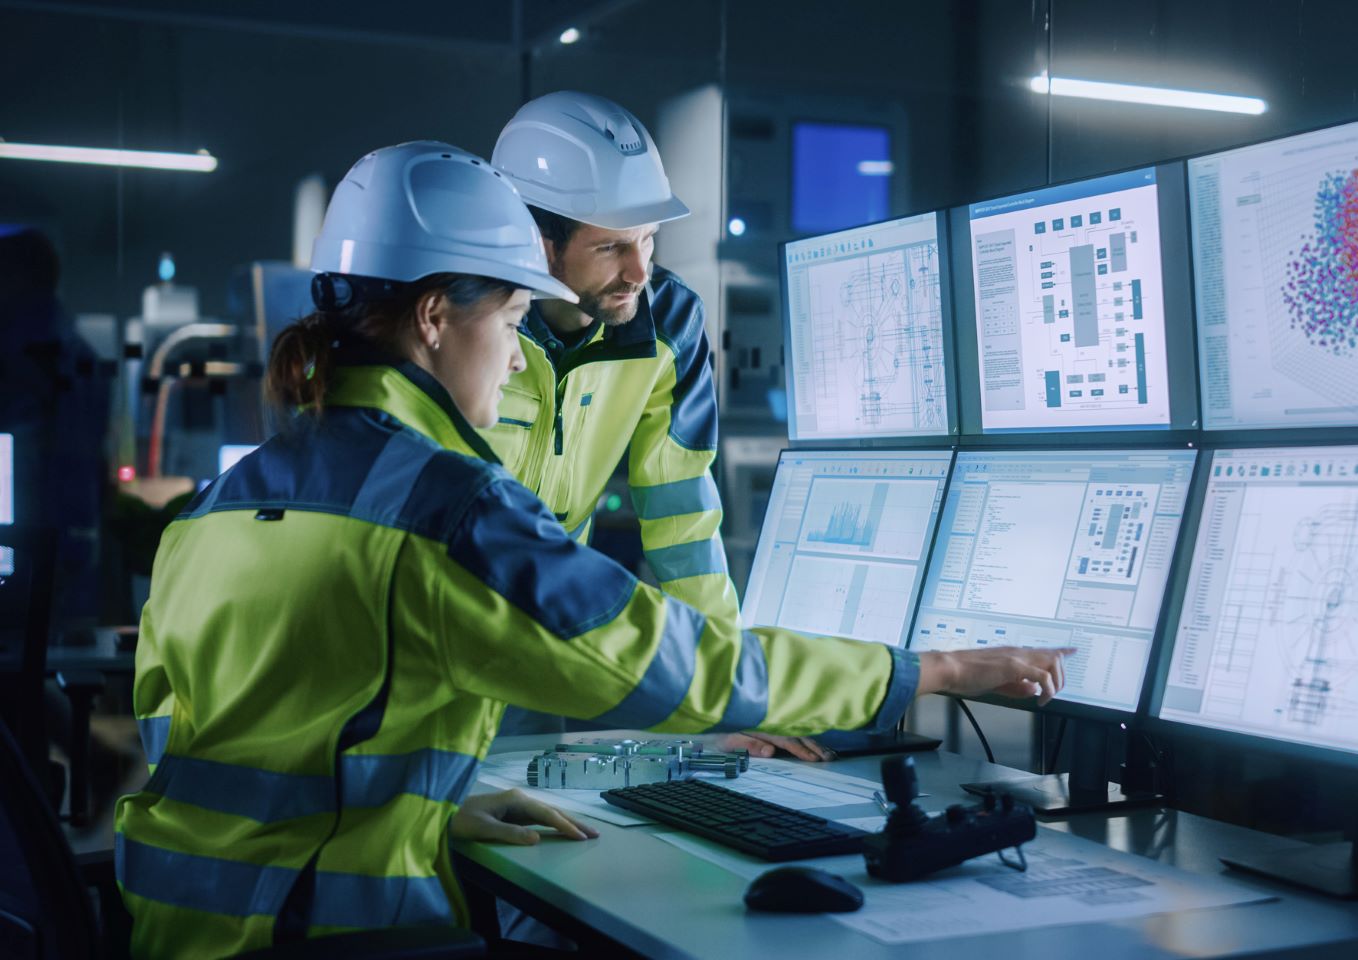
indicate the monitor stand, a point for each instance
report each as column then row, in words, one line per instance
column 1330, row 868
column 854, row 743
column 1085, row 788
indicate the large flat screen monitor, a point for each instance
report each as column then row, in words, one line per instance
column 841, row 175
column 1076, row 304
column 1265, row 647
column 1059, row 548
column 1266, row 642
column 864, row 318
column 1275, row 262
column 844, row 542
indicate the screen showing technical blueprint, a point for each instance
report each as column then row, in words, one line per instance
column 1267, row 640
column 1275, row 252
column 844, row 542
column 865, row 332
column 1056, row 549
column 1069, row 301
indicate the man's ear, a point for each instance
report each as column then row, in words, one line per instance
column 552, row 254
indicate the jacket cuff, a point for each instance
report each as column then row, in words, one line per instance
column 904, row 683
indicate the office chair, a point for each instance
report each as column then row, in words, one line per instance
column 46, row 911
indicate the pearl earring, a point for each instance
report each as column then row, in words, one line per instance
column 436, row 344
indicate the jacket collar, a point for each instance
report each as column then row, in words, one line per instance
column 413, row 396
column 628, row 340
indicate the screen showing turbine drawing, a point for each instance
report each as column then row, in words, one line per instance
column 864, row 324
column 1267, row 638
column 1056, row 549
column 1069, row 302
column 844, row 542
column 1275, row 259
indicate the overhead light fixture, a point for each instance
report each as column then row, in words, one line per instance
column 200, row 162
column 876, row 168
column 736, row 227
column 1151, row 96
column 569, row 35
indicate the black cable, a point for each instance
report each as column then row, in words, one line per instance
column 985, row 744
column 1056, row 750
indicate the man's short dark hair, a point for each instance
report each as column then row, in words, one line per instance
column 554, row 226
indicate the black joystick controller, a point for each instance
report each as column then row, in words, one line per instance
column 915, row 844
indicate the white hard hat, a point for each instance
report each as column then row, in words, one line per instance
column 408, row 211
column 588, row 159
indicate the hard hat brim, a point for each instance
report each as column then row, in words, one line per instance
column 543, row 286
column 665, row 210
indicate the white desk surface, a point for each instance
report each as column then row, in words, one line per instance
column 662, row 902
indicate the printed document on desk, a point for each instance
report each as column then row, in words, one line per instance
column 1069, row 880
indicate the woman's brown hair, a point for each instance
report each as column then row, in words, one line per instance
column 302, row 360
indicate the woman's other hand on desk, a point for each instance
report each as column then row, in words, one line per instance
column 765, row 745
column 509, row 816
column 1017, row 672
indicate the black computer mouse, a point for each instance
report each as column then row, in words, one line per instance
column 802, row 890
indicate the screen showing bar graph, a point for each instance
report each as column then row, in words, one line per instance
column 844, row 542
column 1056, row 549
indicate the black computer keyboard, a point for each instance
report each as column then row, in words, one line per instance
column 753, row 826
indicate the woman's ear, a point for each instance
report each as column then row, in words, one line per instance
column 431, row 318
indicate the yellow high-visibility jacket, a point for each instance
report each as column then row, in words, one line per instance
column 643, row 389
column 334, row 629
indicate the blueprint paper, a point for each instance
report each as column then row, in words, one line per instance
column 1069, row 880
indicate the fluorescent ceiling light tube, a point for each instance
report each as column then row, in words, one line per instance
column 569, row 35
column 200, row 162
column 1152, row 96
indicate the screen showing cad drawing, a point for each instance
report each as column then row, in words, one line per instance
column 865, row 334
column 1056, row 549
column 1267, row 642
column 1275, row 259
column 843, row 542
column 1070, row 319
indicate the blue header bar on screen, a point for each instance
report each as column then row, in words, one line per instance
column 1066, row 191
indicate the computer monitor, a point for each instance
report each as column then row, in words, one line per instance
column 1277, row 295
column 1265, row 645
column 1059, row 548
column 865, row 319
column 1073, row 307
column 841, row 175
column 844, row 542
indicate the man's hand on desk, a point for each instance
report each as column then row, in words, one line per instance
column 764, row 745
column 505, row 817
column 1017, row 672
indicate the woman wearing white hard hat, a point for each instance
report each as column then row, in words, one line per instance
column 337, row 622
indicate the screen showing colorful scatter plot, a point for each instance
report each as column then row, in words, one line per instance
column 1275, row 256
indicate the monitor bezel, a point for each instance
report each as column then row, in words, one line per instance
column 945, row 281
column 1071, row 709
column 1175, row 592
column 1181, row 365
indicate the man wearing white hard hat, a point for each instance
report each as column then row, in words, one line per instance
column 626, row 371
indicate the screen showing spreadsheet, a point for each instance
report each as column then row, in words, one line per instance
column 865, row 332
column 1275, row 262
column 1056, row 549
column 1267, row 637
column 844, row 542
column 1068, row 297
